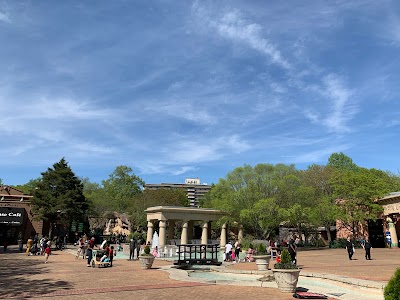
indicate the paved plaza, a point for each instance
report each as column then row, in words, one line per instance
column 64, row 277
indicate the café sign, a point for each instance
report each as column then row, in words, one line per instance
column 11, row 215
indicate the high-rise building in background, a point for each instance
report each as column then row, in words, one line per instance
column 194, row 188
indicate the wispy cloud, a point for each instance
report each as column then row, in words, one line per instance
column 181, row 109
column 317, row 155
column 342, row 107
column 4, row 17
column 232, row 26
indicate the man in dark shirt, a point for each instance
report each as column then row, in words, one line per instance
column 292, row 249
column 132, row 247
column 349, row 248
column 367, row 247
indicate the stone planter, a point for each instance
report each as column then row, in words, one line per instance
column 286, row 279
column 262, row 261
column 146, row 261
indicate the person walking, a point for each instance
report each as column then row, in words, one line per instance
column 132, row 247
column 237, row 251
column 228, row 252
column 29, row 245
column 349, row 248
column 388, row 237
column 367, row 247
column 47, row 253
column 292, row 249
column 89, row 251
column 111, row 255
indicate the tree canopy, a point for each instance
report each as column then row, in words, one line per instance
column 58, row 196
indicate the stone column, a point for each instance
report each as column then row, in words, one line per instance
column 162, row 236
column 240, row 233
column 150, row 226
column 222, row 242
column 184, row 236
column 204, row 233
column 171, row 229
column 393, row 233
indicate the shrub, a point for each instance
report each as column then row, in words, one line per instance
column 246, row 242
column 147, row 250
column 286, row 261
column 338, row 243
column 392, row 289
column 261, row 249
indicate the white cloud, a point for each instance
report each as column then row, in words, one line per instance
column 343, row 107
column 317, row 155
column 183, row 110
column 231, row 25
column 4, row 17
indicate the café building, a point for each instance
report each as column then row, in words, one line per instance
column 16, row 217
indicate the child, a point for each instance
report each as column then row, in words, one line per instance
column 249, row 256
column 111, row 255
column 233, row 257
column 278, row 255
column 155, row 251
column 47, row 252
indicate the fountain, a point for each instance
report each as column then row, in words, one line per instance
column 155, row 241
column 108, row 227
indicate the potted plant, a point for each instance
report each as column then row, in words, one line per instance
column 262, row 257
column 146, row 258
column 286, row 273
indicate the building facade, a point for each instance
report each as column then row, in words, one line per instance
column 195, row 190
column 376, row 230
column 16, row 218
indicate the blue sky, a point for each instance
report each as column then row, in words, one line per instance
column 179, row 89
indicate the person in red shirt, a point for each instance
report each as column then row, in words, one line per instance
column 111, row 255
column 278, row 255
column 47, row 252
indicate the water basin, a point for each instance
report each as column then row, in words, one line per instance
column 218, row 276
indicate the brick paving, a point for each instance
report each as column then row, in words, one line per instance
column 64, row 277
column 335, row 261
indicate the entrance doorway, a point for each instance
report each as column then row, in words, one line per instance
column 375, row 229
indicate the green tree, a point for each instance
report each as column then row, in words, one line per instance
column 356, row 191
column 100, row 207
column 235, row 193
column 324, row 211
column 238, row 193
column 29, row 188
column 296, row 201
column 149, row 198
column 120, row 188
column 58, row 197
column 342, row 162
column 266, row 211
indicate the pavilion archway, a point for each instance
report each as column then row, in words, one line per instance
column 166, row 216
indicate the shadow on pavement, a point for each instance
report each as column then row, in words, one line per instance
column 17, row 279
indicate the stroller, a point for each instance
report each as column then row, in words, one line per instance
column 34, row 250
column 96, row 261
